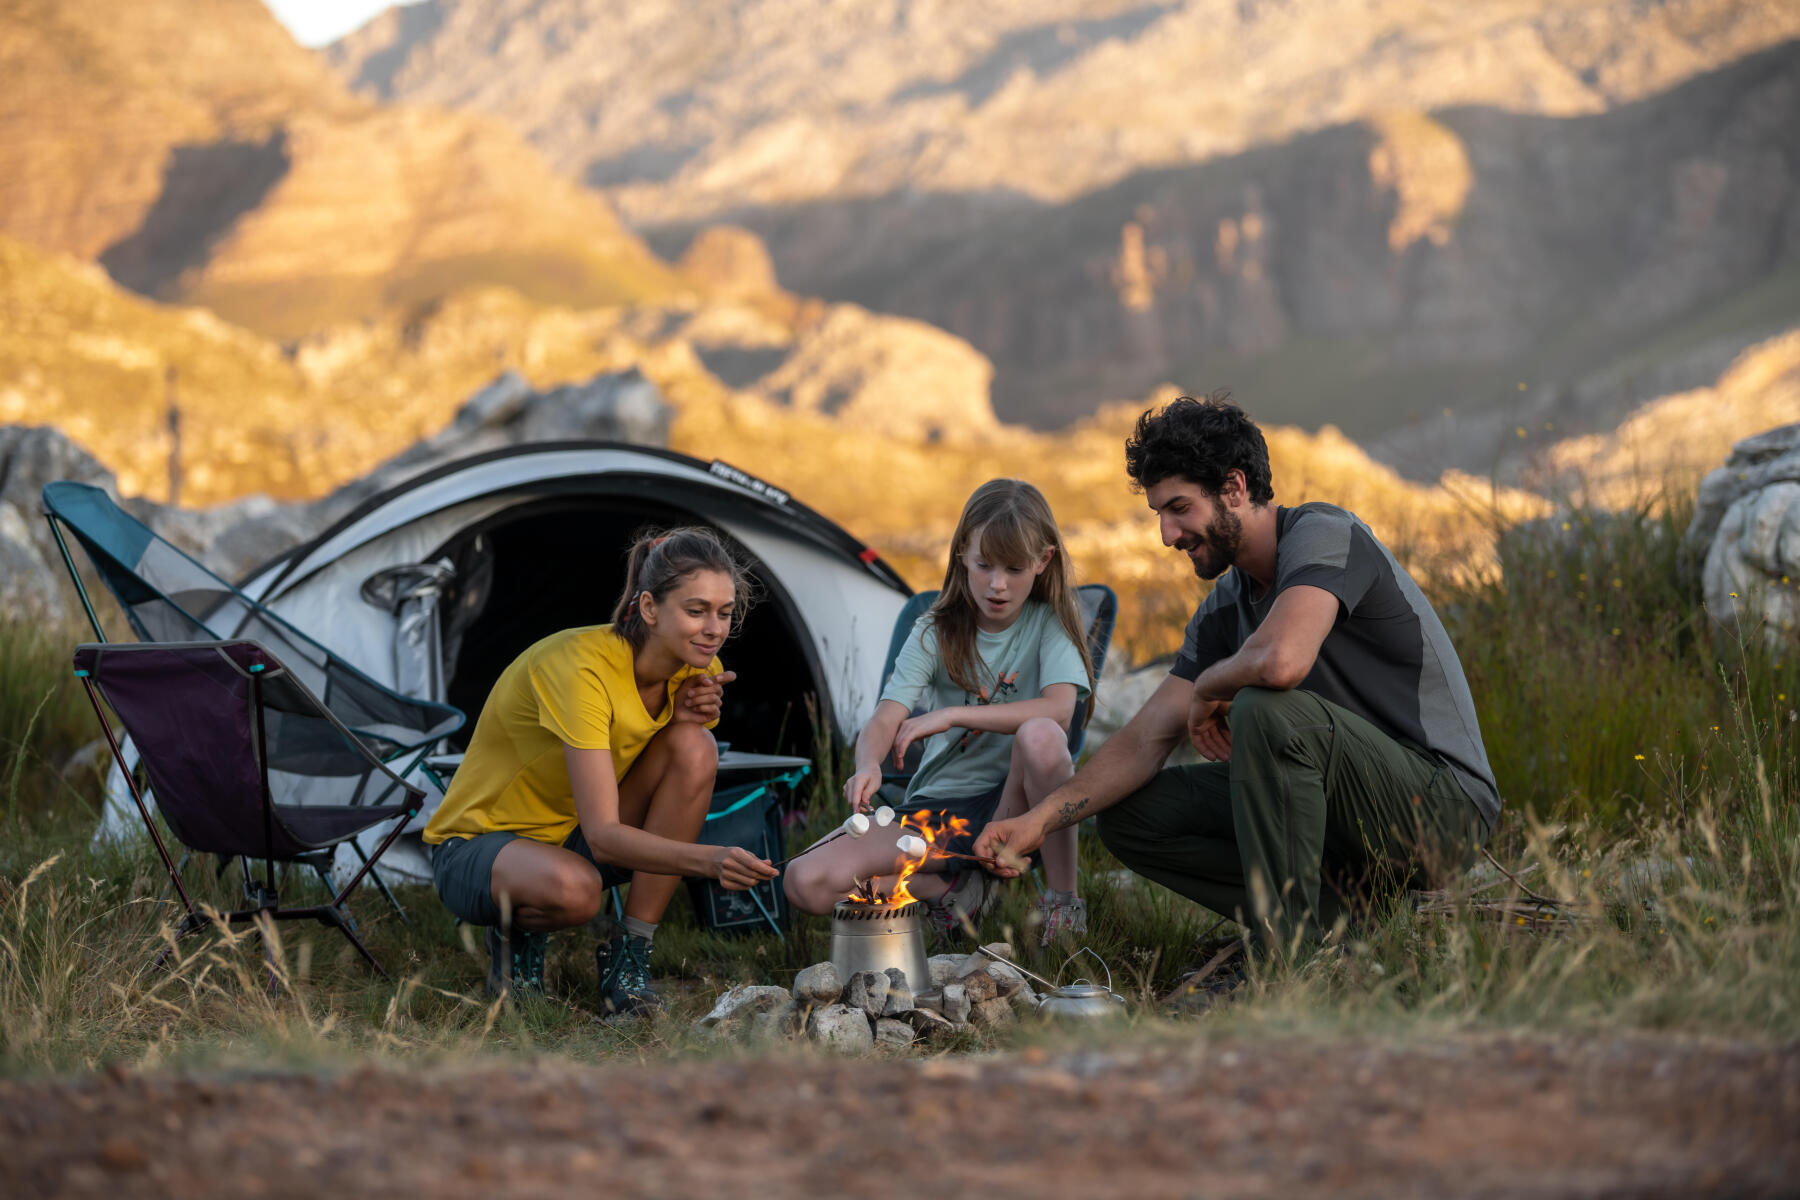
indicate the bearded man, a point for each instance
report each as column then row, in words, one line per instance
column 1318, row 680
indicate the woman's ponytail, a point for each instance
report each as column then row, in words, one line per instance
column 660, row 560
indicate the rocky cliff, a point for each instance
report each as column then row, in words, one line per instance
column 203, row 157
column 1365, row 211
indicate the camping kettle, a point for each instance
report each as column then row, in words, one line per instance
column 1081, row 1001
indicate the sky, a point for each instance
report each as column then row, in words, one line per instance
column 316, row 22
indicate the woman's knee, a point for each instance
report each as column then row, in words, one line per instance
column 691, row 746
column 575, row 892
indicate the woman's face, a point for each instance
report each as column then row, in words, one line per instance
column 693, row 619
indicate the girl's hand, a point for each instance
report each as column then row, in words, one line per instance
column 701, row 698
column 738, row 870
column 913, row 728
column 1207, row 728
column 860, row 790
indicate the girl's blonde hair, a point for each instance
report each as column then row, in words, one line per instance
column 1016, row 526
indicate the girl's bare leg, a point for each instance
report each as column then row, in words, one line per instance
column 667, row 792
column 824, row 876
column 1040, row 765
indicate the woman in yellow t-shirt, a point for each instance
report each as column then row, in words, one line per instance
column 592, row 763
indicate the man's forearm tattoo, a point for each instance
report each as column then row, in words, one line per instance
column 1071, row 812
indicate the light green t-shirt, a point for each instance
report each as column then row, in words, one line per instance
column 1016, row 664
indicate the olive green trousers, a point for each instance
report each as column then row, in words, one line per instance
column 1317, row 814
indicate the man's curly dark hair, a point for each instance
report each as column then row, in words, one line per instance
column 1200, row 441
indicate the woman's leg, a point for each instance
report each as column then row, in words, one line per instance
column 544, row 887
column 1040, row 765
column 667, row 792
column 817, row 881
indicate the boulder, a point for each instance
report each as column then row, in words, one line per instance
column 840, row 1027
column 745, row 1001
column 931, row 1025
column 894, row 1033
column 818, row 984
column 978, row 985
column 899, row 993
column 867, row 990
column 944, row 968
column 956, row 1004
column 993, row 1014
column 1746, row 533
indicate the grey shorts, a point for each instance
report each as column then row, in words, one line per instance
column 977, row 810
column 462, row 869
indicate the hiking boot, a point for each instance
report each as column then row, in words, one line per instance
column 961, row 908
column 1059, row 920
column 624, row 968
column 524, row 954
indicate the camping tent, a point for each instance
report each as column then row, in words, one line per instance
column 521, row 542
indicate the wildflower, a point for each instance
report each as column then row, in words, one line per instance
column 1638, row 757
column 1520, row 431
column 1520, row 920
column 1781, row 695
column 1583, row 578
column 1734, row 595
column 1565, row 527
column 1618, row 583
column 1615, row 631
column 1715, row 729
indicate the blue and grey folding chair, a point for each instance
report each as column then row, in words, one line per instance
column 169, row 597
column 1099, row 610
column 232, row 742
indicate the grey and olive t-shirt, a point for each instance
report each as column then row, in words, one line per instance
column 1387, row 658
column 1017, row 663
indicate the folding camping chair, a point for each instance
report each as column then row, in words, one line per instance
column 238, row 751
column 169, row 597
column 1099, row 610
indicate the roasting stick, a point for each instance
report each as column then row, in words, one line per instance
column 855, row 825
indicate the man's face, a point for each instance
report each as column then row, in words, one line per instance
column 1199, row 525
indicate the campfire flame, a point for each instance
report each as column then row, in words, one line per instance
column 937, row 834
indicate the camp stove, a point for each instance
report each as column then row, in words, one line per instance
column 874, row 937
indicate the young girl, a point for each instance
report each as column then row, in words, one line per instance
column 592, row 764
column 999, row 663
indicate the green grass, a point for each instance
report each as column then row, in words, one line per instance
column 1649, row 769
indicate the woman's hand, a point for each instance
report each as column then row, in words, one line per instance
column 913, row 728
column 700, row 699
column 1207, row 728
column 860, row 789
column 738, row 870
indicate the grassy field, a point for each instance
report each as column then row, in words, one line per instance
column 1648, row 764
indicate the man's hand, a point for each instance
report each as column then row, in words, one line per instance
column 1004, row 846
column 860, row 790
column 738, row 870
column 700, row 699
column 1207, row 728
column 913, row 728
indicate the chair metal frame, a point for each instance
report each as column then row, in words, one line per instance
column 263, row 894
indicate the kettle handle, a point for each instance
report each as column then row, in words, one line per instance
column 1088, row 950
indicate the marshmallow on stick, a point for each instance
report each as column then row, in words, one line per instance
column 884, row 816
column 911, row 845
column 856, row 824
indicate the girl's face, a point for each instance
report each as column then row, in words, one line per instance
column 999, row 590
column 692, row 621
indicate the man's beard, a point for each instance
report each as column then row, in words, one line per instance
column 1222, row 538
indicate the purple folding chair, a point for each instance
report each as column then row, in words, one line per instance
column 245, row 762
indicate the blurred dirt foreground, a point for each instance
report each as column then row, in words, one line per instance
column 1464, row 1117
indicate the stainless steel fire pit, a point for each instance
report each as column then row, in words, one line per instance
column 874, row 937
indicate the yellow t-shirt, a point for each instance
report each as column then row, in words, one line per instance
column 574, row 688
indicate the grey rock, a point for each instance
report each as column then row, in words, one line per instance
column 744, row 1001
column 978, row 985
column 956, row 1004
column 1746, row 531
column 867, row 990
column 890, row 1032
column 819, row 984
column 932, row 1001
column 993, row 1014
column 1008, row 982
column 766, row 1027
column 944, row 968
column 931, row 1025
column 840, row 1027
column 899, row 993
